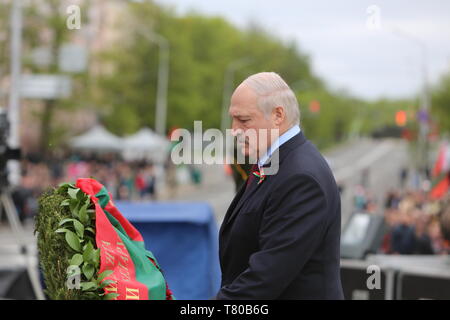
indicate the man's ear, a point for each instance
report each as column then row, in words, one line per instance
column 278, row 115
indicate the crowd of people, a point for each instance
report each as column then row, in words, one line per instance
column 416, row 224
column 124, row 180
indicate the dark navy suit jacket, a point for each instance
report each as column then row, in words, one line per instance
column 280, row 239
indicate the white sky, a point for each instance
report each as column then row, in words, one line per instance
column 344, row 51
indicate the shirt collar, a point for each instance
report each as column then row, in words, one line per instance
column 277, row 143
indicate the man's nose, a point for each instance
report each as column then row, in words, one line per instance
column 235, row 128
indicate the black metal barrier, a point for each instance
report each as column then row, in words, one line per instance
column 400, row 278
column 419, row 285
column 354, row 276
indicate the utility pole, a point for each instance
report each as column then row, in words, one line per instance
column 14, row 96
column 161, row 91
column 163, row 78
column 163, row 81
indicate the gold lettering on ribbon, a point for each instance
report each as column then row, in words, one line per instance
column 119, row 245
column 124, row 259
column 112, row 288
column 109, row 257
column 105, row 243
column 132, row 294
column 124, row 272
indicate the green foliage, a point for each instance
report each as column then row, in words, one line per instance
column 441, row 102
column 122, row 90
column 65, row 226
column 201, row 49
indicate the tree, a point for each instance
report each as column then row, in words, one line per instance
column 441, row 102
column 201, row 48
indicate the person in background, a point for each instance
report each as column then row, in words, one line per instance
column 140, row 183
column 403, row 235
column 403, row 176
column 422, row 239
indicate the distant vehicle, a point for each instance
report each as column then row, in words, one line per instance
column 387, row 132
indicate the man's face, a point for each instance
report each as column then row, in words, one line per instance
column 248, row 120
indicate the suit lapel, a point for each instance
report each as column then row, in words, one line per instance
column 242, row 195
column 233, row 204
column 252, row 189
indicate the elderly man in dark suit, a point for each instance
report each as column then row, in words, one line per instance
column 280, row 237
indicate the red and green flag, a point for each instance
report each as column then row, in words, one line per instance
column 135, row 273
column 441, row 176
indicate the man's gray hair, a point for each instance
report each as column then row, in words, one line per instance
column 272, row 92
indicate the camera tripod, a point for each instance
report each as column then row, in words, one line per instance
column 19, row 233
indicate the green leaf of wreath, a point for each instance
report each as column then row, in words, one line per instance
column 85, row 286
column 79, row 228
column 88, row 254
column 61, row 230
column 104, row 274
column 73, row 240
column 111, row 296
column 106, row 283
column 88, row 270
column 97, row 257
column 65, row 202
column 65, row 221
column 66, row 185
column 76, row 260
column 73, row 206
column 84, row 217
column 73, row 192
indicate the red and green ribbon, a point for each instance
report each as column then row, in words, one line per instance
column 260, row 175
column 136, row 273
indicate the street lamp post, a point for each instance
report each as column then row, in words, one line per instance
column 163, row 79
column 161, row 93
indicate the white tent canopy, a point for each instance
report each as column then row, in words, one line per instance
column 97, row 139
column 145, row 144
